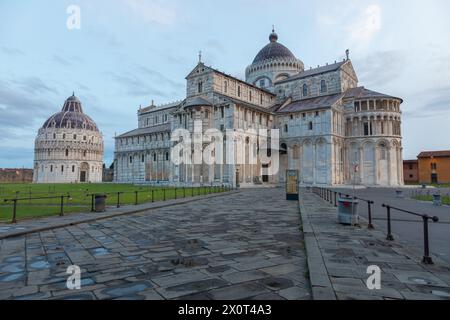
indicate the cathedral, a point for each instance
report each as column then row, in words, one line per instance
column 327, row 126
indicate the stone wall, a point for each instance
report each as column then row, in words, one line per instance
column 16, row 175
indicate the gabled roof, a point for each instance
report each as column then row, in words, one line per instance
column 434, row 154
column 245, row 104
column 311, row 104
column 363, row 93
column 148, row 130
column 197, row 101
column 161, row 107
column 211, row 69
column 315, row 71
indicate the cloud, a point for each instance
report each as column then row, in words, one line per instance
column 392, row 63
column 12, row 51
column 34, row 85
column 366, row 26
column 432, row 103
column 135, row 86
column 152, row 11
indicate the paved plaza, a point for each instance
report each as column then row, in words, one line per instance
column 244, row 245
column 338, row 258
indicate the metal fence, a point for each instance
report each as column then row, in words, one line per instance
column 331, row 196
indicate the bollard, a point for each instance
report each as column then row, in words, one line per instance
column 389, row 237
column 370, row 226
column 426, row 257
column 62, row 207
column 14, row 219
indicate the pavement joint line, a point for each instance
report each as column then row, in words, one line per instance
column 319, row 291
column 112, row 215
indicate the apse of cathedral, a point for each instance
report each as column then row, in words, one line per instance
column 331, row 129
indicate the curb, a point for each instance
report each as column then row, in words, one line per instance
column 321, row 286
column 112, row 215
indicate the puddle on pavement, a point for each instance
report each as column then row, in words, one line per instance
column 14, row 259
column 40, row 265
column 419, row 280
column 12, row 268
column 98, row 252
column 441, row 293
column 11, row 277
column 126, row 290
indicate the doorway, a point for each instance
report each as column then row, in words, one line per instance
column 434, row 178
column 83, row 176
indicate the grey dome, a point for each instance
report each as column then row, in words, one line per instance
column 71, row 116
column 273, row 50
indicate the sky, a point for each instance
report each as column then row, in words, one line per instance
column 127, row 53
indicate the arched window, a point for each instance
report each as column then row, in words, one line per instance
column 167, row 156
column 143, row 158
column 305, row 90
column 200, row 87
column 383, row 151
column 286, row 128
column 323, row 86
column 154, row 157
column 226, row 86
column 67, row 152
column 239, row 91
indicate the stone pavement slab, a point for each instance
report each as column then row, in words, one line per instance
column 241, row 245
column 338, row 258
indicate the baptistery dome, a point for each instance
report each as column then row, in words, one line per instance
column 68, row 147
column 273, row 63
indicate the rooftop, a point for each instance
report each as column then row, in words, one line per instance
column 434, row 154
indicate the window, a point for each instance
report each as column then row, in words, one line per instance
column 383, row 152
column 366, row 128
column 410, row 175
column 67, row 152
column 51, row 168
column 434, row 166
column 262, row 83
column 304, row 115
column 64, row 136
column 73, row 168
column 292, row 117
column 323, row 86
column 317, row 113
column 250, row 95
column 156, row 119
column 226, row 86
column 84, row 138
column 62, row 169
column 167, row 156
column 142, row 158
column 305, row 90
column 200, row 87
column 261, row 99
column 286, row 128
column 166, row 118
column 239, row 91
column 74, row 137
column 222, row 113
column 310, row 125
column 154, row 157
column 131, row 159
column 84, row 153
column 207, row 114
column 54, row 136
column 410, row 167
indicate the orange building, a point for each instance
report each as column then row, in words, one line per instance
column 434, row 167
column 411, row 171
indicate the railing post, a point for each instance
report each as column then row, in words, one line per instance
column 426, row 257
column 335, row 199
column 136, row 198
column 389, row 237
column 370, row 226
column 164, row 194
column 92, row 202
column 192, row 191
column 61, row 213
column 175, row 193
column 118, row 199
column 153, row 195
column 184, row 192
column 14, row 219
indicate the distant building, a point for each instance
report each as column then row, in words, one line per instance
column 108, row 173
column 434, row 167
column 69, row 147
column 411, row 171
column 16, row 175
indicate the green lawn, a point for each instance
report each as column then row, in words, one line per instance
column 445, row 200
column 78, row 197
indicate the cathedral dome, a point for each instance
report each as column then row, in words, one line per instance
column 274, row 50
column 71, row 116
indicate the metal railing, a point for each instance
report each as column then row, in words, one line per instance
column 16, row 200
column 326, row 194
column 163, row 195
column 425, row 218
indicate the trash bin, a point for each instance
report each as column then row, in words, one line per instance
column 437, row 199
column 348, row 211
column 100, row 203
